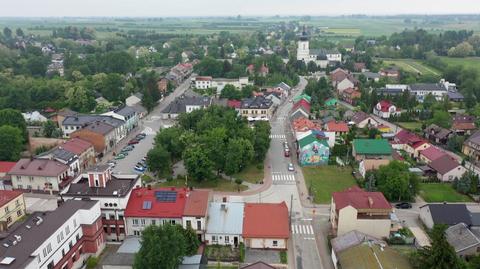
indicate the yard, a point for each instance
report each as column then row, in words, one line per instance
column 222, row 253
column 251, row 174
column 412, row 126
column 216, row 184
column 412, row 66
column 441, row 192
column 325, row 180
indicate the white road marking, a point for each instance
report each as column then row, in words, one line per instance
column 283, row 177
column 277, row 136
column 302, row 229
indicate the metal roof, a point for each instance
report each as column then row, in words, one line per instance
column 225, row 218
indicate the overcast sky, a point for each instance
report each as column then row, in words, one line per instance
column 163, row 8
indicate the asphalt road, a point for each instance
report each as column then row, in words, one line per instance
column 149, row 125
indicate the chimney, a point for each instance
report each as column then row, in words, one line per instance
column 370, row 201
column 224, row 199
column 149, row 187
column 223, row 207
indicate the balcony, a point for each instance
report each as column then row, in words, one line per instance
column 64, row 182
column 113, row 222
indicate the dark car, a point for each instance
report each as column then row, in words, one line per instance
column 133, row 142
column 403, row 206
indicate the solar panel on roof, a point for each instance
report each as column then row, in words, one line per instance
column 147, row 205
column 166, row 196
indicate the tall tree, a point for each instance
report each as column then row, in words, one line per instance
column 11, row 143
column 14, row 118
column 19, row 32
column 239, row 154
column 159, row 160
column 7, row 32
column 396, row 182
column 49, row 128
column 197, row 163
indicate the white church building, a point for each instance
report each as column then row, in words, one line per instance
column 321, row 57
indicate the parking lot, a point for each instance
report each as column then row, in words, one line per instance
column 127, row 164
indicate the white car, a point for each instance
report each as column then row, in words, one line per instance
column 291, row 167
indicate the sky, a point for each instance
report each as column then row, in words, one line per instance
column 175, row 8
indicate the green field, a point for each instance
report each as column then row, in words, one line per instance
column 441, row 192
column 217, row 185
column 251, row 174
column 471, row 62
column 325, row 180
column 412, row 126
column 412, row 66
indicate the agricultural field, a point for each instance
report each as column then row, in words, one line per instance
column 412, row 66
column 471, row 62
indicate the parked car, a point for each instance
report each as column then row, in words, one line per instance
column 128, row 148
column 286, row 152
column 291, row 167
column 133, row 141
column 140, row 136
column 139, row 168
column 144, row 159
column 120, row 156
column 403, row 206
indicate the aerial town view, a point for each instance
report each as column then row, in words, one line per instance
column 210, row 134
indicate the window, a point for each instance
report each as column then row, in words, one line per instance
column 70, row 245
column 45, row 252
column 153, row 222
column 275, row 243
column 49, row 248
column 39, row 259
column 189, row 223
column 77, row 237
column 173, row 222
column 214, row 239
column 7, row 209
column 50, row 265
column 74, row 223
column 9, row 219
column 142, row 221
column 120, row 217
column 29, row 187
column 96, row 183
column 67, row 230
column 135, row 221
column 19, row 213
column 137, row 233
column 20, row 186
column 17, row 202
column 227, row 239
column 199, row 225
column 31, row 179
column 63, row 253
column 19, row 178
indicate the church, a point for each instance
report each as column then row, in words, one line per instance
column 321, row 57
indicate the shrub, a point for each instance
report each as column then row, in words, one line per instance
column 283, row 257
column 92, row 262
column 241, row 247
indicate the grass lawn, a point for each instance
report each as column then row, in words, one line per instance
column 251, row 174
column 441, row 192
column 412, row 66
column 325, row 180
column 217, row 185
column 470, row 62
column 410, row 125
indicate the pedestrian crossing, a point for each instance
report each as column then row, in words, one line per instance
column 277, row 136
column 302, row 229
column 283, row 177
column 149, row 131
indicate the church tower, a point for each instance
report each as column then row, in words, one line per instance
column 303, row 52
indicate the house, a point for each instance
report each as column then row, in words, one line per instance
column 284, row 87
column 258, row 265
column 5, row 167
column 385, row 109
column 60, row 116
column 126, row 114
column 73, row 123
column 83, row 149
column 274, row 97
column 463, row 124
column 363, row 120
column 349, row 240
column 195, row 212
column 431, row 154
column 301, row 107
column 464, row 241
column 40, row 174
column 304, row 125
column 471, row 147
column 134, row 99
column 346, row 83
column 65, row 157
column 235, row 104
column 185, row 104
column 338, row 75
column 371, row 149
column 34, row 116
column 220, row 83
column 448, row 214
column 421, row 90
column 437, row 134
column 410, row 143
column 266, row 226
column 447, row 168
column 393, row 89
column 366, row 165
column 12, row 208
column 455, row 96
column 390, row 72
column 351, row 95
column 303, row 96
column 225, row 223
column 162, row 85
column 111, row 190
column 257, row 108
column 313, row 149
column 356, row 209
column 203, row 82
column 100, row 134
column 263, row 71
column 370, row 76
column 187, row 55
column 339, row 127
column 359, row 67
column 63, row 238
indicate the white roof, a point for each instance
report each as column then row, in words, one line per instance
column 420, row 236
column 34, row 116
column 225, row 220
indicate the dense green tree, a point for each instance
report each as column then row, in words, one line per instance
column 49, row 128
column 467, row 184
column 197, row 163
column 239, row 153
column 262, row 140
column 112, row 87
column 215, row 143
column 159, row 160
column 119, row 62
column 231, row 93
column 11, row 143
column 170, row 140
column 396, row 182
column 441, row 118
column 7, row 32
column 14, row 118
column 80, row 99
column 19, row 32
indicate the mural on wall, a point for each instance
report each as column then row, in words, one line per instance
column 315, row 153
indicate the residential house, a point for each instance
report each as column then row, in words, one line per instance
column 60, row 116
column 73, row 123
column 359, row 67
column 126, row 114
column 363, row 120
column 421, row 90
column 40, row 174
column 351, row 95
column 346, row 83
column 266, row 226
column 371, row 149
column 431, row 154
column 313, row 149
column 258, row 265
column 203, row 82
column 339, row 127
column 471, row 147
column 100, row 134
column 220, row 83
column 257, row 108
column 366, row 165
column 195, row 212
column 410, row 143
column 111, row 190
column 390, row 72
column 274, row 97
column 83, row 149
column 338, row 75
column 393, row 89
column 464, row 241
column 225, row 223
column 147, row 206
column 447, row 168
column 455, row 96
column 385, row 109
column 65, row 157
column 303, row 96
column 235, row 104
column 437, row 134
column 371, row 76
column 304, row 125
column 356, row 209
column 447, row 214
column 185, row 104
column 162, row 85
column 34, row 116
column 5, row 167
column 463, row 124
column 12, row 208
column 187, row 55
column 179, row 73
column 63, row 238
column 301, row 108
column 284, row 88
column 134, row 99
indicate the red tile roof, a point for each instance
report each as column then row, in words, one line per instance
column 334, row 126
column 76, row 145
column 158, row 209
column 406, row 137
column 203, row 78
column 418, row 144
column 197, row 203
column 234, row 103
column 463, row 126
column 385, row 105
column 303, row 124
column 266, row 221
column 360, row 199
column 38, row 167
column 7, row 196
column 302, row 103
column 444, row 164
column 432, row 153
column 5, row 167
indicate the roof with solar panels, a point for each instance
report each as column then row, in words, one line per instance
column 157, row 203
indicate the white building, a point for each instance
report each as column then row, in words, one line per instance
column 202, row 82
column 321, row 57
column 385, row 109
column 225, row 223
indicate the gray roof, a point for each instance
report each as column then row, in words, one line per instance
column 99, row 127
column 460, row 237
column 371, row 75
column 36, row 235
column 80, row 120
column 390, row 91
column 125, row 111
column 225, row 221
column 257, row 102
column 179, row 105
column 122, row 185
column 427, row 87
column 455, row 95
column 449, row 214
column 475, row 216
column 59, row 153
column 284, row 86
column 323, row 52
column 351, row 239
column 139, row 108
